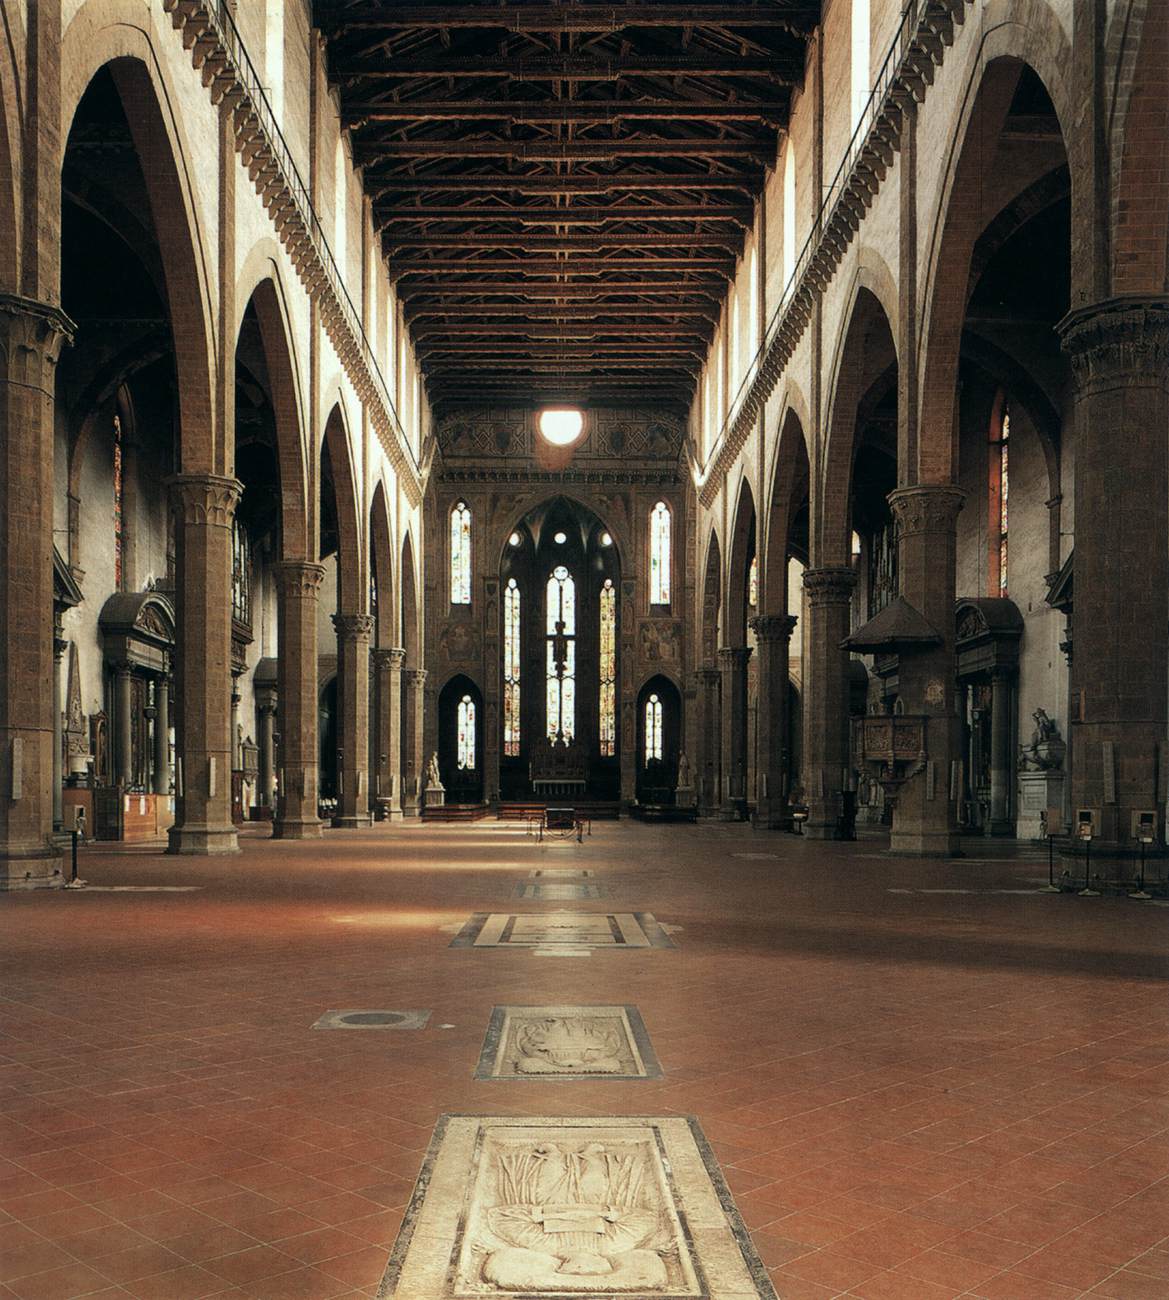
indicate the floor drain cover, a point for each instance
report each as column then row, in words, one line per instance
column 356, row 1018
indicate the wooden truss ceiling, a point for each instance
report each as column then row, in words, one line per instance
column 562, row 189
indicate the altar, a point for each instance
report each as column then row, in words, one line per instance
column 558, row 769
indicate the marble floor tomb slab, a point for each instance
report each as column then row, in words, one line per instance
column 549, row 1208
column 615, row 931
column 567, row 1042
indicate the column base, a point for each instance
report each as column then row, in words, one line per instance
column 735, row 810
column 924, row 844
column 203, row 841
column 294, row 828
column 352, row 821
column 40, row 868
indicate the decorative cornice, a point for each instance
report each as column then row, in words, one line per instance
column 909, row 68
column 353, row 627
column 926, row 508
column 772, row 627
column 205, row 499
column 1117, row 341
column 610, row 477
column 830, row 586
column 219, row 54
column 300, row 578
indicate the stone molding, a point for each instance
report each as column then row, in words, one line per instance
column 830, row 586
column 353, row 627
column 771, row 628
column 1118, row 341
column 300, row 578
column 926, row 508
column 205, row 499
column 925, row 32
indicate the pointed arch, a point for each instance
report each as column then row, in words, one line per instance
column 790, row 486
column 864, row 351
column 381, row 564
column 411, row 639
column 267, row 299
column 711, row 601
column 87, row 47
column 742, row 549
column 352, row 597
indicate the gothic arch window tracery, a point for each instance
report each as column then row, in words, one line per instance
column 466, row 734
column 512, row 657
column 653, row 728
column 608, row 670
column 560, row 639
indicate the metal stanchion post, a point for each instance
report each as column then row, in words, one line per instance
column 1088, row 891
column 1052, row 887
column 74, row 882
column 1141, row 892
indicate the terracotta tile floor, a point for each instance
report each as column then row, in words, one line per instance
column 912, row 1094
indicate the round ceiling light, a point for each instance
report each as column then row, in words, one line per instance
column 561, row 426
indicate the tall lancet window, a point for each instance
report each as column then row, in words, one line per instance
column 461, row 554
column 659, row 554
column 608, row 670
column 560, row 638
column 118, row 524
column 653, row 728
column 511, row 669
column 466, row 736
column 753, row 583
column 999, row 465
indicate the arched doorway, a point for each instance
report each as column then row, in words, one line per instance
column 659, row 729
column 460, row 740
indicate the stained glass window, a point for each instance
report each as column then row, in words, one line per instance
column 461, row 554
column 560, row 665
column 659, row 555
column 1004, row 497
column 511, row 669
column 653, row 728
column 466, row 750
column 241, row 574
column 753, row 583
column 118, row 503
column 608, row 674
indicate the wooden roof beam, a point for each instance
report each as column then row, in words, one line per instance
column 796, row 16
column 370, row 152
column 507, row 183
column 711, row 290
column 558, row 243
column 414, row 266
column 739, row 214
column 361, row 113
column 567, row 67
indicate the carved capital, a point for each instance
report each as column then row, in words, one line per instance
column 32, row 335
column 415, row 677
column 206, row 500
column 926, row 508
column 299, row 578
column 353, row 627
column 1119, row 341
column 734, row 658
column 832, row 586
column 707, row 678
column 389, row 658
column 772, row 627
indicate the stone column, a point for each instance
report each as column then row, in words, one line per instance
column 388, row 667
column 772, row 638
column 413, row 758
column 59, row 647
column 298, row 586
column 925, row 816
column 710, row 724
column 266, row 707
column 31, row 337
column 826, row 711
column 1119, row 353
column 204, row 508
column 1001, row 822
column 123, row 724
column 353, row 634
column 733, row 667
column 162, row 735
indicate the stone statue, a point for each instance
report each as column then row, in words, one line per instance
column 1046, row 751
column 433, row 780
column 685, row 776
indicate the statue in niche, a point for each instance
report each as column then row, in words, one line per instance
column 685, row 777
column 1047, row 749
column 568, row 1045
